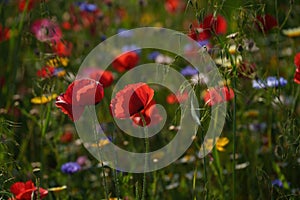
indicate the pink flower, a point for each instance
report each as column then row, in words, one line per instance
column 46, row 30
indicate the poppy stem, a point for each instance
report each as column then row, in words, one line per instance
column 100, row 156
column 234, row 135
column 146, row 155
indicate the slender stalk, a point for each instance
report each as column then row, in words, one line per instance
column 116, row 180
column 194, row 182
column 154, row 188
column 146, row 156
column 137, row 196
column 218, row 167
column 204, row 165
column 234, row 134
column 100, row 156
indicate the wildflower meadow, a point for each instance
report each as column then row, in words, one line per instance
column 149, row 99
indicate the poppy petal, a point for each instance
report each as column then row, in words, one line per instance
column 17, row 188
column 131, row 100
column 74, row 112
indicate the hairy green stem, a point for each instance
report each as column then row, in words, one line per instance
column 146, row 155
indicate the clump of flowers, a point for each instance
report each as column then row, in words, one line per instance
column 270, row 82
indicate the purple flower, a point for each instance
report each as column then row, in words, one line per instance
column 153, row 55
column 88, row 7
column 46, row 30
column 271, row 81
column 131, row 48
column 277, row 183
column 189, row 71
column 82, row 160
column 70, row 167
column 203, row 43
column 125, row 33
column 258, row 127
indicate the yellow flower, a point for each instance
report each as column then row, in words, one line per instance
column 64, row 61
column 57, row 61
column 43, row 99
column 251, row 113
column 101, row 143
column 292, row 32
column 146, row 19
column 61, row 73
column 220, row 143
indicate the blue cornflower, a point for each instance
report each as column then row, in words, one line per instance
column 70, row 167
column 125, row 33
column 88, row 7
column 59, row 72
column 274, row 82
column 102, row 38
column 203, row 43
column 258, row 127
column 153, row 55
column 131, row 48
column 277, row 183
column 189, row 71
column 271, row 81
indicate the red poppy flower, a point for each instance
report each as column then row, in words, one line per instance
column 133, row 100
column 151, row 116
column 199, row 33
column 4, row 33
column 66, row 25
column 218, row 95
column 23, row 191
column 125, row 61
column 297, row 60
column 22, row 5
column 217, row 25
column 62, row 48
column 90, row 18
column 46, row 72
column 46, row 30
column 79, row 94
column 173, row 6
column 103, row 76
column 66, row 137
column 177, row 98
column 266, row 22
column 297, row 76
